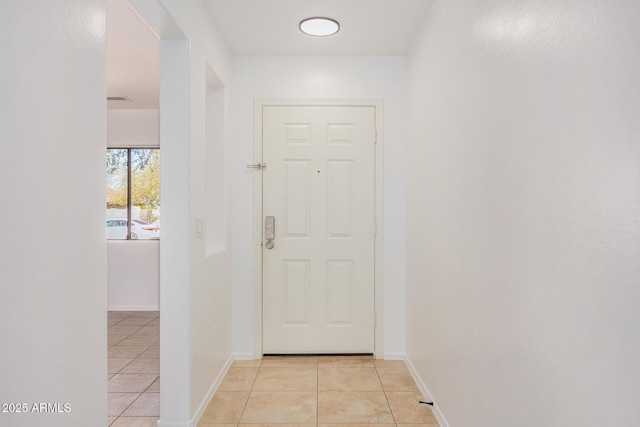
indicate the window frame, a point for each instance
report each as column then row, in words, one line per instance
column 129, row 148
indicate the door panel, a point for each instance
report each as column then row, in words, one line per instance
column 319, row 184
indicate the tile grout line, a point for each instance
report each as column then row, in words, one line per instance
column 244, row 408
column 384, row 391
column 125, row 409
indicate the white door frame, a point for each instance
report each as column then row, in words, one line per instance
column 257, row 203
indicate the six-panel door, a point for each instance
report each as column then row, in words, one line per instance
column 319, row 185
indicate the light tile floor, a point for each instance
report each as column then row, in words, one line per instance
column 134, row 368
column 318, row 392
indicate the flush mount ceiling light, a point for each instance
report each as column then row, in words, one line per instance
column 319, row 27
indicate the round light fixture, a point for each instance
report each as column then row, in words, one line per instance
column 319, row 27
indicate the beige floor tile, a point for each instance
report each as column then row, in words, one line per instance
column 142, row 366
column 389, row 364
column 133, row 398
column 362, row 407
column 113, row 339
column 136, row 422
column 346, row 362
column 149, row 330
column 434, row 424
column 407, row 410
column 122, row 329
column 357, row 425
column 281, row 407
column 239, row 379
column 135, row 321
column 125, row 351
column 155, row 386
column 147, row 405
column 135, row 339
column 225, row 408
column 246, row 363
column 343, row 379
column 397, row 379
column 145, row 314
column 118, row 402
column 115, row 365
column 289, row 362
column 151, row 353
column 287, row 379
column 279, row 425
column 130, row 383
column 216, row 425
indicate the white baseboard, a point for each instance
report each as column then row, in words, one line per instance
column 395, row 356
column 134, row 308
column 205, row 402
column 425, row 393
column 210, row 393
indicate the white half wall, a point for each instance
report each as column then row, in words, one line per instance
column 195, row 300
column 318, row 78
column 53, row 251
column 523, row 203
column 133, row 275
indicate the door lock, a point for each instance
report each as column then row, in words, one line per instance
column 269, row 231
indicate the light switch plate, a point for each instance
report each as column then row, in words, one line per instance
column 198, row 227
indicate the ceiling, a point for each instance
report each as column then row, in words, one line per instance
column 258, row 27
column 270, row 27
column 133, row 58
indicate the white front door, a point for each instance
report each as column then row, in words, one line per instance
column 319, row 187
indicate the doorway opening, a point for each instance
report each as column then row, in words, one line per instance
column 133, row 215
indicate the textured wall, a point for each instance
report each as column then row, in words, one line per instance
column 523, row 233
column 53, row 251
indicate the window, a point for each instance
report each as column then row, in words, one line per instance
column 133, row 193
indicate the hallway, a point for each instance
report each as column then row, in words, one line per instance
column 508, row 219
column 317, row 391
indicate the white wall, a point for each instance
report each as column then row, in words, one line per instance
column 52, row 138
column 523, row 239
column 133, row 127
column 195, row 289
column 133, row 268
column 322, row 77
